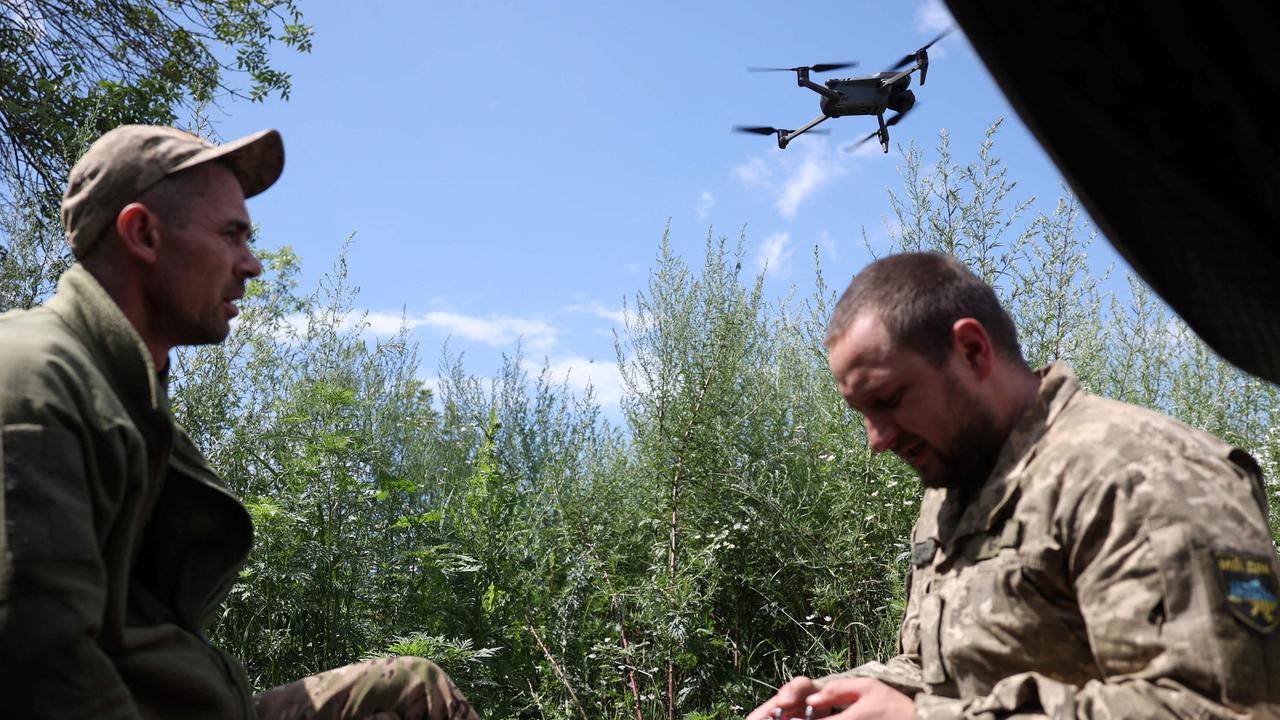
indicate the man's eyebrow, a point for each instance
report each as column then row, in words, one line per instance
column 877, row 390
column 868, row 386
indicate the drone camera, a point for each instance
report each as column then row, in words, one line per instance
column 903, row 101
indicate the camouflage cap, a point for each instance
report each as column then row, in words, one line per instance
column 125, row 161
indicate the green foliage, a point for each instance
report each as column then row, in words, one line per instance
column 32, row 250
column 71, row 68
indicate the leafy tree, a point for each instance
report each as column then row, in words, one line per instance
column 68, row 65
column 33, row 252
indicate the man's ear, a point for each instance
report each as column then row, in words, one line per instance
column 973, row 346
column 139, row 231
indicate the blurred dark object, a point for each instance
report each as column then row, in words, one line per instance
column 1161, row 117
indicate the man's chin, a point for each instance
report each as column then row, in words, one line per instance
column 938, row 473
column 211, row 335
column 931, row 473
column 947, row 476
column 937, row 480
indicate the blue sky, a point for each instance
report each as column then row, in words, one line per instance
column 508, row 167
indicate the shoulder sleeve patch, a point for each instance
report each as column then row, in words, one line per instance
column 1249, row 588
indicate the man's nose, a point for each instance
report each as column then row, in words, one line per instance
column 882, row 433
column 250, row 266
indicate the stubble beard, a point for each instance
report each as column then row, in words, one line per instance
column 974, row 447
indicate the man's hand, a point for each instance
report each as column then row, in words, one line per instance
column 790, row 698
column 840, row 698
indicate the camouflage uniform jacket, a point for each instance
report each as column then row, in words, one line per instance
column 1117, row 564
column 118, row 542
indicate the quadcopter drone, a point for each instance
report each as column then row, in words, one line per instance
column 865, row 95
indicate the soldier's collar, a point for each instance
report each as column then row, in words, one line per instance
column 1058, row 384
column 92, row 314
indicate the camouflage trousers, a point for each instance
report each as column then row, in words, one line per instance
column 401, row 688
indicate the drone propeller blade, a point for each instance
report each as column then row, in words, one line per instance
column 820, row 68
column 828, row 67
column 941, row 35
column 887, row 123
column 863, row 141
column 905, row 61
column 910, row 58
column 898, row 118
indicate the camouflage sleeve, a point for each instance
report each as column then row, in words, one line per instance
column 52, row 584
column 1175, row 574
column 902, row 673
column 399, row 687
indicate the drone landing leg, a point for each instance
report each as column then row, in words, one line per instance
column 884, row 133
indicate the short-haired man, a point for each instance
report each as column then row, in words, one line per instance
column 118, row 541
column 1075, row 557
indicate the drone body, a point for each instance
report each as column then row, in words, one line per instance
column 864, row 95
column 868, row 95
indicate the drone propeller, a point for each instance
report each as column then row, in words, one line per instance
column 887, row 123
column 819, row 68
column 758, row 130
column 764, row 130
column 908, row 59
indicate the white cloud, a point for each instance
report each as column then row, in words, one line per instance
column 385, row 324
column 794, row 175
column 824, row 240
column 774, row 255
column 706, row 202
column 431, row 382
column 754, row 173
column 579, row 373
column 494, row 330
column 817, row 167
column 595, row 307
column 932, row 18
column 296, row 322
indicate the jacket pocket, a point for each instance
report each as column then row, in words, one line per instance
column 47, row 511
column 931, row 640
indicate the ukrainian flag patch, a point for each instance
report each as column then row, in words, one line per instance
column 1250, row 589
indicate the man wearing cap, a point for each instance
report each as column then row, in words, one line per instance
column 118, row 541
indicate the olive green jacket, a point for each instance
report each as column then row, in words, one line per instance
column 118, row 543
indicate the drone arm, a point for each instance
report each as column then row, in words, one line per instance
column 891, row 80
column 783, row 139
column 802, row 79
